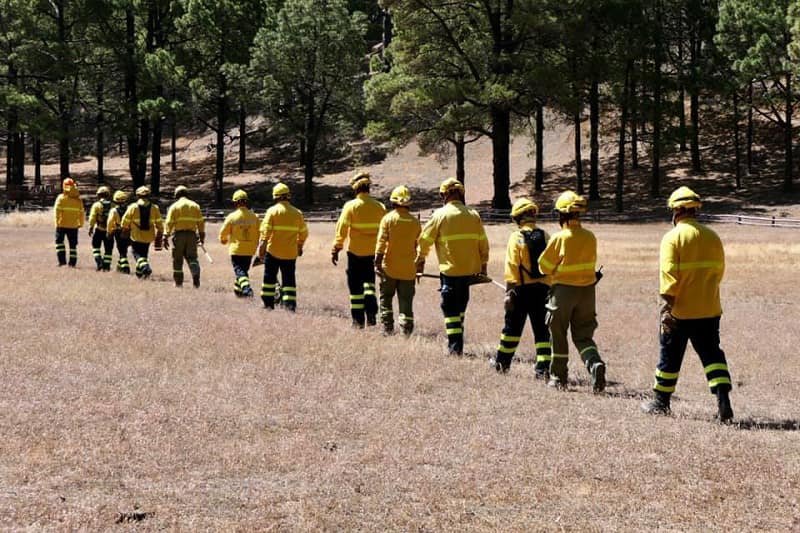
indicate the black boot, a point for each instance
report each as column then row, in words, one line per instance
column 725, row 411
column 659, row 405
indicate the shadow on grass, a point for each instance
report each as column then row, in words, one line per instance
column 767, row 424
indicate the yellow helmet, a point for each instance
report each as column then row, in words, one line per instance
column 68, row 184
column 401, row 196
column 181, row 190
column 522, row 206
column 280, row 191
column 103, row 192
column 570, row 202
column 684, row 197
column 360, row 179
column 449, row 185
column 239, row 195
column 143, row 191
column 120, row 197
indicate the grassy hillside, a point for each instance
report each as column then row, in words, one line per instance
column 192, row 410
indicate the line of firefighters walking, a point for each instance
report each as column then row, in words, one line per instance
column 548, row 279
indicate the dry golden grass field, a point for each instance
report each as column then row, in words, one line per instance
column 183, row 409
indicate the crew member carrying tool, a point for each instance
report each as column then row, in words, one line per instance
column 143, row 220
column 463, row 251
column 68, row 215
column 692, row 263
column 187, row 227
column 359, row 222
column 395, row 252
column 570, row 258
column 526, row 290
column 283, row 234
column 240, row 233
column 98, row 224
column 115, row 232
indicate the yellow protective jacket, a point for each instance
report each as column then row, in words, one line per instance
column 360, row 221
column 115, row 218
column 570, row 256
column 184, row 215
column 397, row 241
column 240, row 232
column 517, row 255
column 132, row 219
column 461, row 243
column 284, row 229
column 692, row 263
column 98, row 214
column 68, row 211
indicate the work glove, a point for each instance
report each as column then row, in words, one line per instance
column 598, row 275
column 508, row 301
column 91, row 231
column 420, row 268
column 668, row 322
column 201, row 241
column 379, row 265
column 335, row 257
column 299, row 250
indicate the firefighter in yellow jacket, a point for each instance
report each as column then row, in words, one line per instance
column 395, row 252
column 240, row 233
column 463, row 252
column 187, row 228
column 69, row 215
column 526, row 290
column 143, row 220
column 98, row 223
column 692, row 263
column 114, row 231
column 570, row 258
column 282, row 236
column 359, row 222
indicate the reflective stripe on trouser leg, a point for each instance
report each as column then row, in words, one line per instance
column 73, row 256
column 406, row 323
column 543, row 351
column 455, row 333
column 194, row 267
column 107, row 261
column 589, row 356
column 717, row 374
column 123, row 265
column 405, row 304
column 268, row 290
column 241, row 284
column 388, row 287
column 61, row 253
column 665, row 381
column 289, row 297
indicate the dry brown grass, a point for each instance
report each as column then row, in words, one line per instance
column 202, row 412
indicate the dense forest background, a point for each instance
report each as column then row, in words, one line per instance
column 88, row 77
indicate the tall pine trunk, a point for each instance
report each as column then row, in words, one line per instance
column 655, row 175
column 242, row 138
column 623, row 121
column 539, row 179
column 750, row 128
column 310, row 144
column 576, row 123
column 37, row 160
column 694, row 101
column 222, row 120
column 634, row 105
column 501, row 141
column 460, row 145
column 100, row 139
column 737, row 158
column 173, row 144
column 594, row 143
column 787, row 137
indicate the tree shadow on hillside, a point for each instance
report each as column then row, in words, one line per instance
column 760, row 192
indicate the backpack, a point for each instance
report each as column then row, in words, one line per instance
column 102, row 219
column 536, row 243
column 144, row 216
